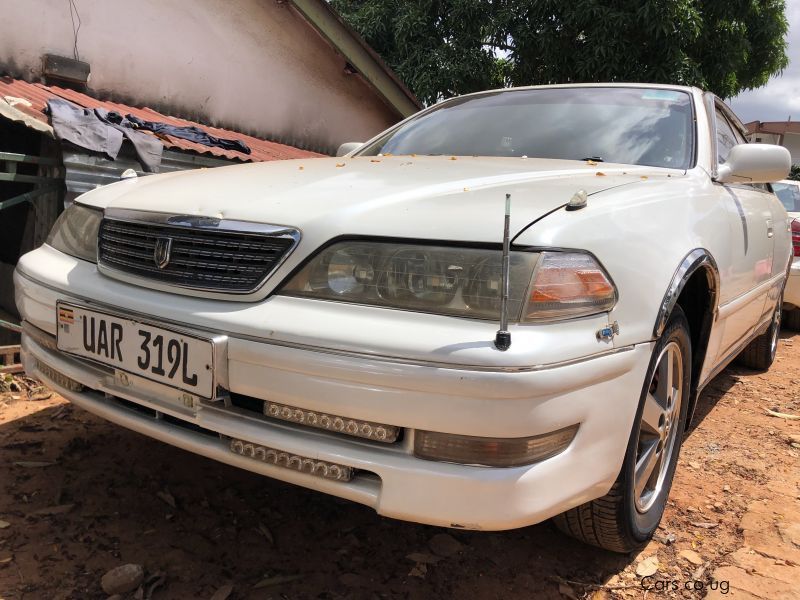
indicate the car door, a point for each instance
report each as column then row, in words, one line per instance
column 788, row 194
column 751, row 226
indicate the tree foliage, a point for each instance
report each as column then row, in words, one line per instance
column 794, row 174
column 442, row 48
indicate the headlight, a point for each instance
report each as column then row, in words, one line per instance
column 436, row 279
column 453, row 281
column 75, row 232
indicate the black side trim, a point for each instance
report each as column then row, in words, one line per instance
column 699, row 258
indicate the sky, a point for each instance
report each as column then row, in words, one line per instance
column 780, row 98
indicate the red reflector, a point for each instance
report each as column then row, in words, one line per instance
column 796, row 236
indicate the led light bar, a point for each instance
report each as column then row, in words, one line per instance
column 346, row 425
column 58, row 378
column 311, row 466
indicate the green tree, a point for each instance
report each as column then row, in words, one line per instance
column 441, row 48
column 795, row 173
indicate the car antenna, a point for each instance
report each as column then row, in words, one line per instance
column 502, row 340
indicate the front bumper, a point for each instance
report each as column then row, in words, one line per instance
column 600, row 393
column 791, row 294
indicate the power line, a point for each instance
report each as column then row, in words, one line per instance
column 73, row 14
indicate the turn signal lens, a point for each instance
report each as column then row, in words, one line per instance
column 568, row 284
column 491, row 452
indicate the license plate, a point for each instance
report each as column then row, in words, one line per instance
column 176, row 359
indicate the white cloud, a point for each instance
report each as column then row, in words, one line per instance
column 780, row 98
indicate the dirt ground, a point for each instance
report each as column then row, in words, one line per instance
column 79, row 496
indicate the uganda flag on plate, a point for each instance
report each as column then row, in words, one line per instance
column 66, row 316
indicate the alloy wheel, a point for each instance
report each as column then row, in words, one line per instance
column 660, row 422
column 776, row 328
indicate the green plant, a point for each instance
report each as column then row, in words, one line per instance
column 442, row 48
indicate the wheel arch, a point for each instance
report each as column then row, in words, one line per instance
column 695, row 287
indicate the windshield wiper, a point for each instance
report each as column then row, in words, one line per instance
column 594, row 158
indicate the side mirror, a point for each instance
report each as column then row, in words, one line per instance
column 755, row 163
column 348, row 147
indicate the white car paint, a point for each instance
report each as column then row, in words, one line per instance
column 791, row 295
column 424, row 371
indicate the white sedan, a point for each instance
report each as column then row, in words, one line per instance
column 788, row 193
column 499, row 311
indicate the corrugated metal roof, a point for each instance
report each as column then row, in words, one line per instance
column 37, row 94
column 87, row 171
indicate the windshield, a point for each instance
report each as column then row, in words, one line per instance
column 789, row 195
column 636, row 126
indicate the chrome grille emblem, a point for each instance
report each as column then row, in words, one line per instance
column 161, row 252
column 199, row 253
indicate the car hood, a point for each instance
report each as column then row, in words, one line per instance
column 431, row 197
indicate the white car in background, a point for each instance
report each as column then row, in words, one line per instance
column 343, row 323
column 788, row 193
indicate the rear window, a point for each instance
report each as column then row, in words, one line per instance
column 789, row 195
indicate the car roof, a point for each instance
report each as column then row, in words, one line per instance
column 663, row 86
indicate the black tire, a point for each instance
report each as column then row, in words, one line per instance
column 760, row 353
column 614, row 522
column 791, row 319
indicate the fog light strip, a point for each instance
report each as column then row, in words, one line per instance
column 58, row 378
column 320, row 468
column 346, row 425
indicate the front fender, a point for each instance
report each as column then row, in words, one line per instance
column 650, row 237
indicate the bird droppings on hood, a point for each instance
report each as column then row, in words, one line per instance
column 339, row 165
column 300, row 168
column 371, row 205
column 453, row 158
column 600, row 174
column 374, row 160
column 644, row 176
column 591, row 163
column 466, row 189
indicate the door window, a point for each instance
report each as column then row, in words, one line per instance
column 789, row 195
column 726, row 137
column 729, row 136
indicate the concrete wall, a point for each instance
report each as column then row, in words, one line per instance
column 791, row 141
column 764, row 138
column 252, row 65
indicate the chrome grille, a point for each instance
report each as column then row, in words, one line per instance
column 205, row 257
